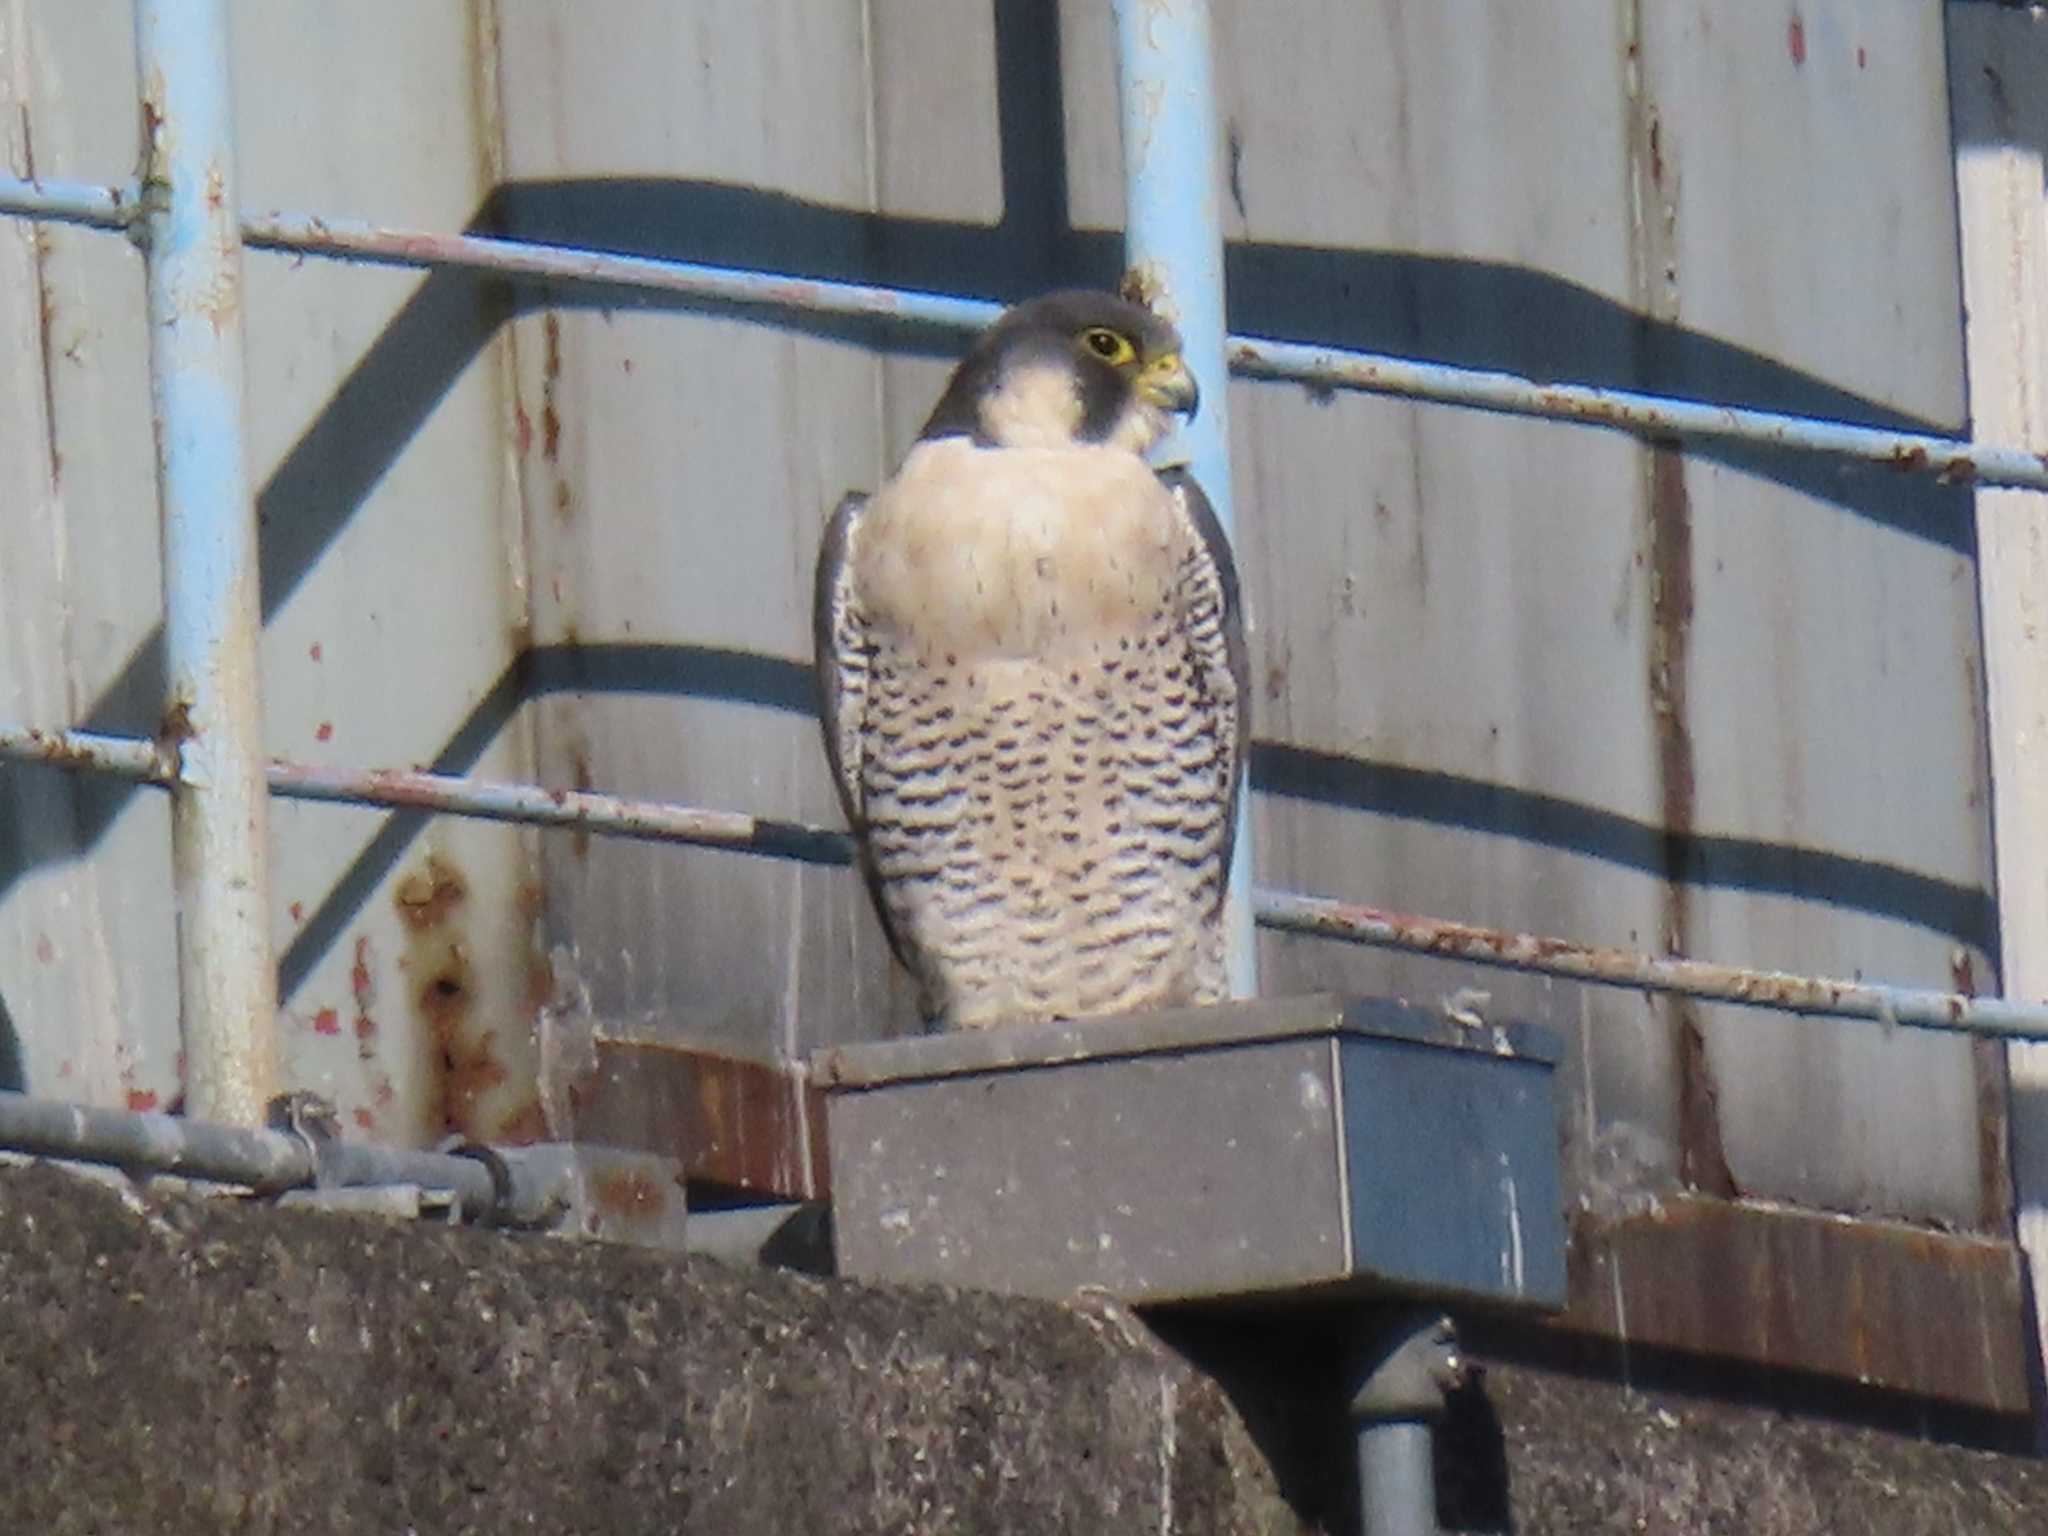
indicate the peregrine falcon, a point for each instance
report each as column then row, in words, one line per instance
column 1031, row 669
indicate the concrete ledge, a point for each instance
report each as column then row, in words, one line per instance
column 1587, row 1456
column 185, row 1366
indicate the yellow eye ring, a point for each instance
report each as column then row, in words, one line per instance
column 1112, row 347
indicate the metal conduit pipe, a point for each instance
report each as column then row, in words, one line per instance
column 1406, row 1371
column 514, row 1186
column 1256, row 357
column 1286, row 911
column 227, row 988
column 1173, row 256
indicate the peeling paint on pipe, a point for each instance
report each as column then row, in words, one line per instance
column 1291, row 912
column 1654, row 416
column 1283, row 911
column 1646, row 415
column 350, row 240
column 212, row 625
column 71, row 202
column 578, row 810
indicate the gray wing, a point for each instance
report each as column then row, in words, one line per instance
column 840, row 668
column 840, row 655
column 1213, row 613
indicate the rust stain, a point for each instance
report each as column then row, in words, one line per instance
column 141, row 1100
column 365, row 1118
column 525, row 1125
column 298, row 911
column 363, row 988
column 1876, row 1303
column 1703, row 1161
column 730, row 1123
column 1795, row 39
column 327, row 1022
column 46, row 316
column 460, row 1062
column 1996, row 1195
column 1667, row 663
column 1862, row 58
column 176, row 727
column 629, row 1194
column 314, row 652
column 551, row 370
column 324, row 731
column 565, row 507
column 580, row 776
column 427, row 897
column 540, row 982
column 522, row 430
column 45, row 950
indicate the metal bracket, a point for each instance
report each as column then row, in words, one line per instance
column 1411, row 1365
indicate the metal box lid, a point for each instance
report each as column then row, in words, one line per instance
column 1257, row 1148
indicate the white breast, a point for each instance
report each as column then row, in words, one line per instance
column 1016, row 552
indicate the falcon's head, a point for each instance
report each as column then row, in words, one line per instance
column 1075, row 367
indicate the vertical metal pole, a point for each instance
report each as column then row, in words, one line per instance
column 1173, row 203
column 1397, row 1478
column 212, row 626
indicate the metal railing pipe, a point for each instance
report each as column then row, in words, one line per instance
column 570, row 809
column 212, row 625
column 123, row 757
column 1644, row 414
column 1283, row 911
column 1654, row 416
column 1173, row 253
column 1291, row 912
column 70, row 202
column 351, row 240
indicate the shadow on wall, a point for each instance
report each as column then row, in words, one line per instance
column 1473, row 313
column 12, row 1077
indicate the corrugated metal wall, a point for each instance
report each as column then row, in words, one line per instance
column 1528, row 674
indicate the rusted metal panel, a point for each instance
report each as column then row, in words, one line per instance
column 388, row 581
column 1486, row 690
column 1542, row 681
column 1937, row 1314
column 741, row 1127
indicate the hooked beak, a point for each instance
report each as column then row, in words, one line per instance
column 1166, row 383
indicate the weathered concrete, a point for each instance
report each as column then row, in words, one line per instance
column 195, row 1367
column 1545, row 1441
column 184, row 1366
column 1585, row 1455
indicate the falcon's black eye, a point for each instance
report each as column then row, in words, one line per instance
column 1111, row 346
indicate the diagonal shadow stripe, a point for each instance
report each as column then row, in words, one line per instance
column 1469, row 312
column 1964, row 913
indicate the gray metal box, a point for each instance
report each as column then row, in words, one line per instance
column 1244, row 1149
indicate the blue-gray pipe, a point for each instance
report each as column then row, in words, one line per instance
column 1397, row 1478
column 1649, row 415
column 212, row 622
column 1173, row 252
